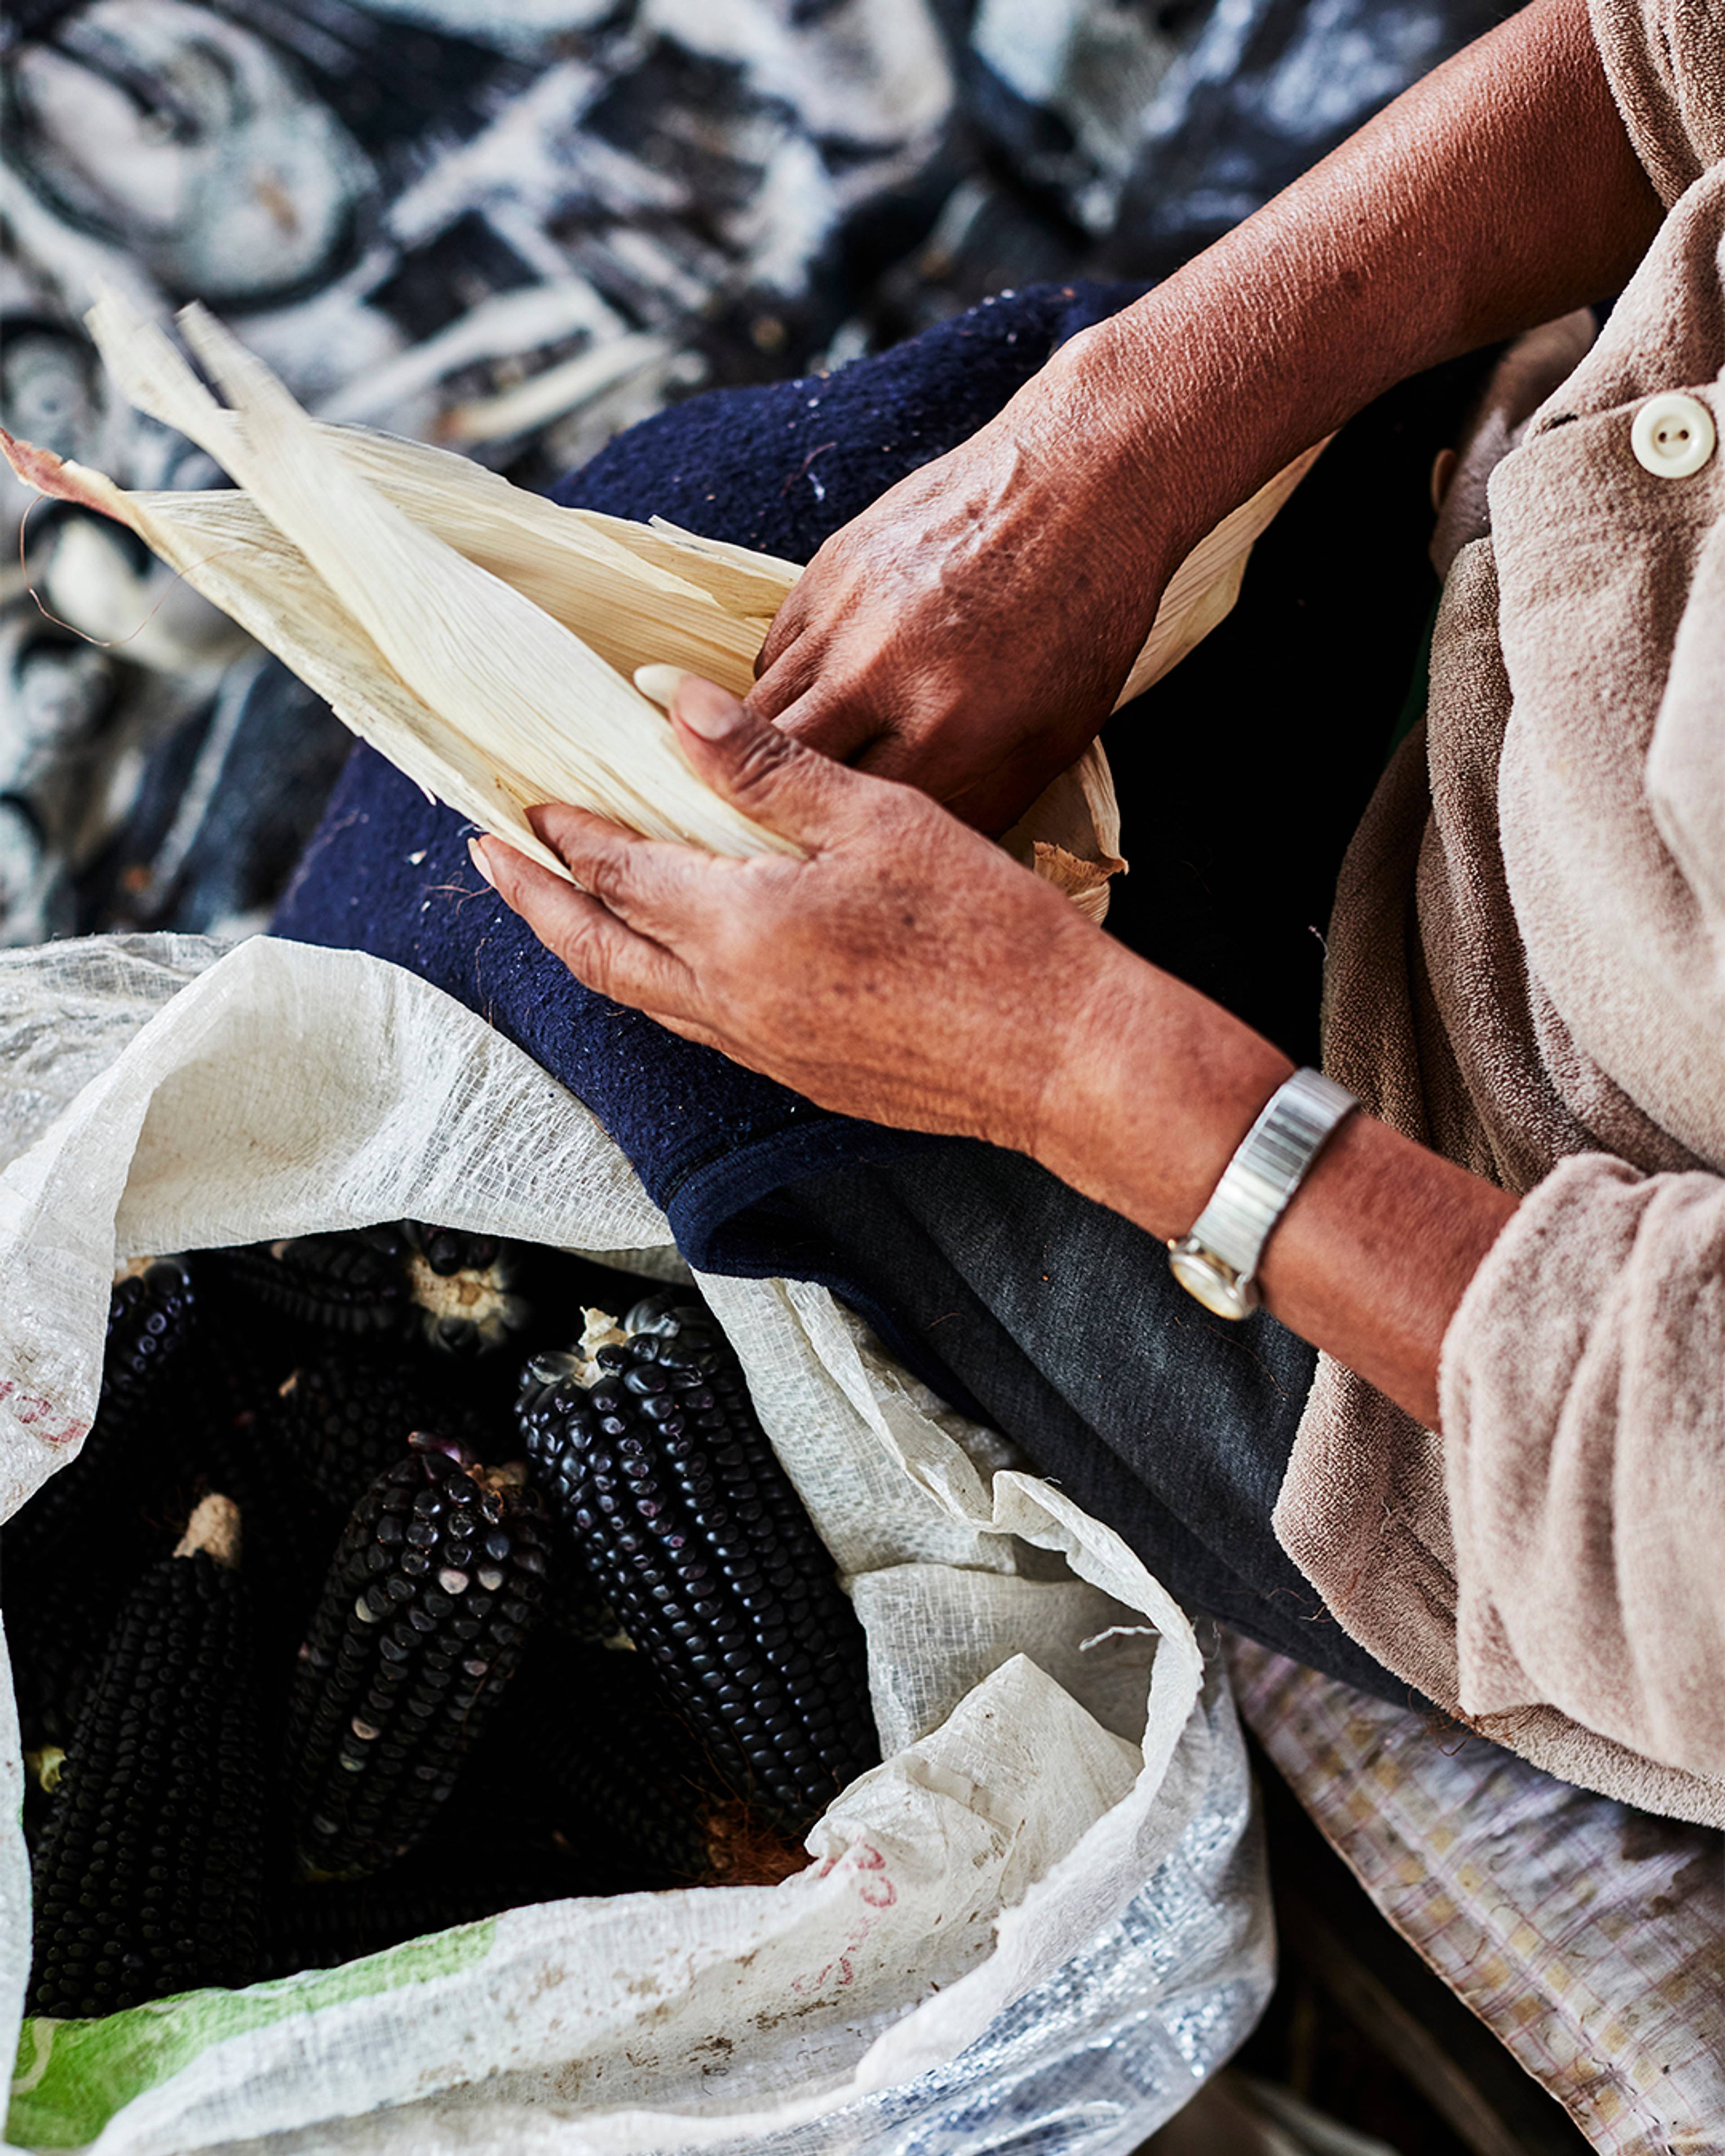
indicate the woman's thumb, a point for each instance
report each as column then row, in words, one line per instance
column 787, row 787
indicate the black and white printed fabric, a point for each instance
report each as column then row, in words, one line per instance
column 514, row 226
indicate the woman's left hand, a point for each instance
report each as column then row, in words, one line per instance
column 902, row 971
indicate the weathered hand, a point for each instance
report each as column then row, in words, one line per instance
column 969, row 632
column 906, row 970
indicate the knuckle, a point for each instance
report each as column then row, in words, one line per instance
column 585, row 950
column 761, row 761
column 605, row 876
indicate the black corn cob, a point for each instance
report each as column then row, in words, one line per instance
column 151, row 1314
column 438, row 1578
column 147, row 1875
column 68, row 1557
column 347, row 1282
column 587, row 1749
column 236, row 1447
column 408, row 1277
column 634, row 1793
column 653, row 1460
column 346, row 1417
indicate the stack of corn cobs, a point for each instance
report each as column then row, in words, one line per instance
column 372, row 1604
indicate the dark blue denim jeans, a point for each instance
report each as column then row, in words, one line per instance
column 1063, row 1323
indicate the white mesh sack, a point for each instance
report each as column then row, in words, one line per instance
column 1037, row 1924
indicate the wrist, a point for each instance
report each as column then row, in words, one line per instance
column 1154, row 1089
column 1083, row 420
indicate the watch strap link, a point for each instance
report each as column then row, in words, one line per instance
column 1271, row 1163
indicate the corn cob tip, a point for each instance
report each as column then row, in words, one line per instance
column 451, row 1448
column 471, row 1308
column 46, row 1767
column 213, row 1528
column 600, row 1329
column 578, row 1365
column 133, row 1269
column 511, row 1475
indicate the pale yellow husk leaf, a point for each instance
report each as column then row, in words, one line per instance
column 505, row 685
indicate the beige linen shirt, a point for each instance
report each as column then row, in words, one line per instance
column 1527, row 971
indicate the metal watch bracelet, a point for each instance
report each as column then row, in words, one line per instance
column 1217, row 1261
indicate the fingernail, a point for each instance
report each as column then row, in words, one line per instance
column 477, row 857
column 708, row 711
column 658, row 684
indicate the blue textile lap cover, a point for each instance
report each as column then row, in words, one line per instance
column 779, row 469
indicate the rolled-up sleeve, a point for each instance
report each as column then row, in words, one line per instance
column 1582, row 1394
column 1665, row 62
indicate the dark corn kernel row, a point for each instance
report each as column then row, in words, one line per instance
column 652, row 1456
column 354, row 1284
column 436, row 1583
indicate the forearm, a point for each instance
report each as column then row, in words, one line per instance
column 1156, row 1088
column 1499, row 193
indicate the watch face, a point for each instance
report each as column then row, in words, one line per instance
column 1201, row 1276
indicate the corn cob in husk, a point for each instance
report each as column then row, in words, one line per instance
column 656, row 1465
column 147, row 1881
column 487, row 641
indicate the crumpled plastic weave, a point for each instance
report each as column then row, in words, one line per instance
column 1038, row 1925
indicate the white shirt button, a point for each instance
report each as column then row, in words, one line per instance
column 1672, row 435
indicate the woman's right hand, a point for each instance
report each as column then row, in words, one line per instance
column 969, row 632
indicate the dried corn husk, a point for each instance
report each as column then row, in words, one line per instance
column 484, row 639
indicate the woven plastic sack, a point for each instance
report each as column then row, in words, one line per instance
column 1038, row 1925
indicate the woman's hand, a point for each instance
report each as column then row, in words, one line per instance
column 969, row 632
column 908, row 970
column 905, row 971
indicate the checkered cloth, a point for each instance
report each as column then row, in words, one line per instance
column 1589, row 1937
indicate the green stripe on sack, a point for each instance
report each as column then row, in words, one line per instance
column 72, row 2077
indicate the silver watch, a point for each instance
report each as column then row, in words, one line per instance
column 1218, row 1262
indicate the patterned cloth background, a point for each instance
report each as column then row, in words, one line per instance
column 512, row 226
